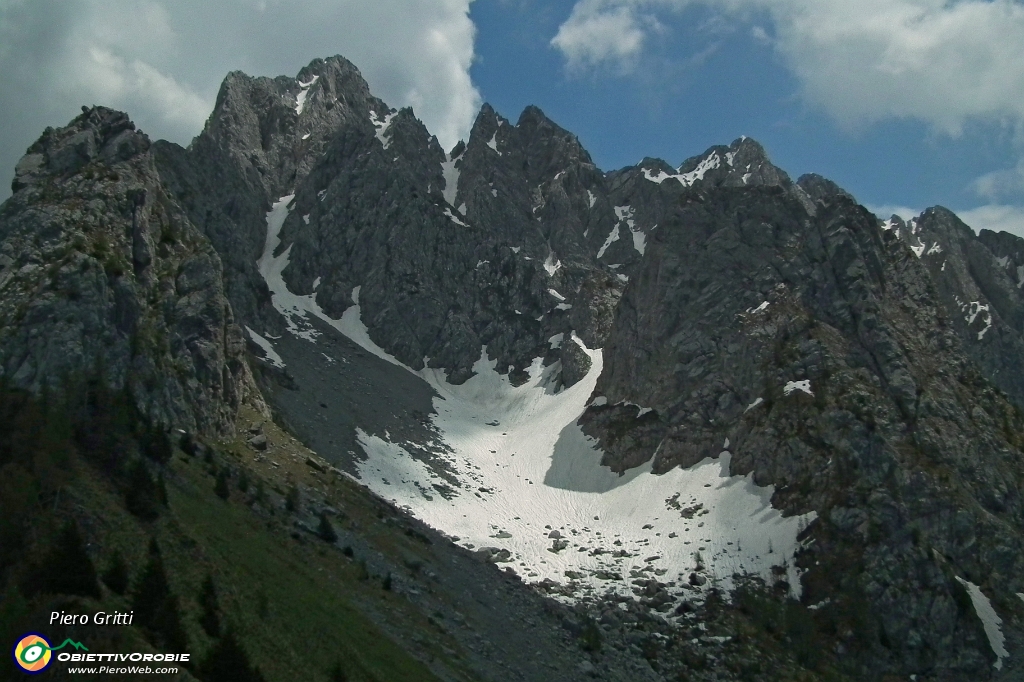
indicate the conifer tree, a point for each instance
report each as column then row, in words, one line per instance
column 291, row 500
column 228, row 662
column 210, row 618
column 156, row 606
column 116, row 575
column 67, row 567
column 142, row 494
column 325, row 530
column 221, row 487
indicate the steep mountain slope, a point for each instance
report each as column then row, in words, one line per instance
column 102, row 272
column 702, row 391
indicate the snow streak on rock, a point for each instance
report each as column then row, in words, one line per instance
column 382, row 125
column 709, row 162
column 451, row 178
column 989, row 619
column 791, row 386
column 268, row 348
column 613, row 236
column 295, row 308
column 300, row 99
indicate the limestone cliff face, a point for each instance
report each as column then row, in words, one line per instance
column 261, row 141
column 102, row 271
column 819, row 348
column 869, row 370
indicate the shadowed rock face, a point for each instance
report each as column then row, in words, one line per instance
column 869, row 370
column 103, row 271
column 742, row 297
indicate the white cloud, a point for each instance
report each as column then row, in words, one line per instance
column 162, row 61
column 995, row 217
column 941, row 61
column 1000, row 183
column 598, row 34
column 886, row 211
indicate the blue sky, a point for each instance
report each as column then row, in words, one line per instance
column 705, row 79
column 905, row 103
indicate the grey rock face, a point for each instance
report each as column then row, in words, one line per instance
column 870, row 372
column 102, row 271
column 978, row 285
column 258, row 145
column 745, row 295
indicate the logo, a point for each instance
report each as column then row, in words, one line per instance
column 32, row 653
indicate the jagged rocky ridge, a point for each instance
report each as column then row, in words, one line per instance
column 869, row 370
column 101, row 271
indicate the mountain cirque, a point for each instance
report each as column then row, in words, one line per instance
column 864, row 374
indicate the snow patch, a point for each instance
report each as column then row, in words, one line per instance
column 563, row 306
column 711, row 161
column 612, row 237
column 551, row 265
column 525, row 469
column 306, row 136
column 451, row 178
column 382, row 125
column 454, row 218
column 639, row 241
column 556, row 294
column 316, row 283
column 989, row 619
column 1020, row 276
column 591, row 198
column 305, row 219
column 972, row 311
column 268, row 349
column 759, row 309
column 556, row 341
column 300, row 99
column 753, row 405
column 791, row 386
column 1003, row 261
column 493, row 142
column 936, row 248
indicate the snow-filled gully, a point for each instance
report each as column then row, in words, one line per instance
column 533, row 493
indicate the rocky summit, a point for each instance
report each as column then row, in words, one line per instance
column 735, row 425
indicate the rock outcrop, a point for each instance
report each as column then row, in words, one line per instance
column 101, row 271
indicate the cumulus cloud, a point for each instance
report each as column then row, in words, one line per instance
column 995, row 217
column 1000, row 183
column 886, row 211
column 163, row 60
column 595, row 34
column 941, row 61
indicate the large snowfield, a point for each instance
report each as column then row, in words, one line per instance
column 530, row 490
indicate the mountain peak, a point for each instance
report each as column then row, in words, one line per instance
column 97, row 133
